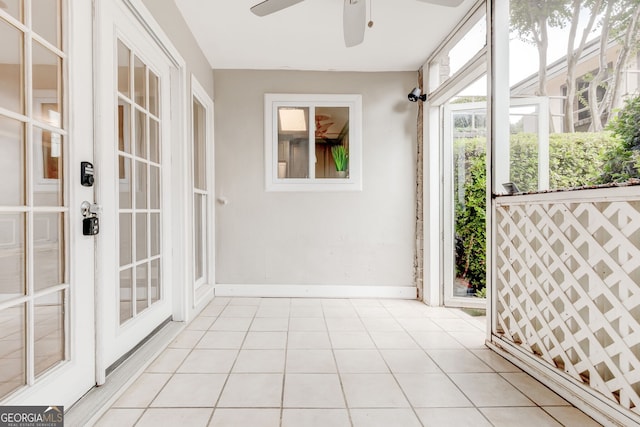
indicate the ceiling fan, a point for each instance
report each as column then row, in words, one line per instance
column 353, row 18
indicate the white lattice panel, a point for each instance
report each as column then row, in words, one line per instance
column 568, row 289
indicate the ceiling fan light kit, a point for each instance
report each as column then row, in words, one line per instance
column 354, row 16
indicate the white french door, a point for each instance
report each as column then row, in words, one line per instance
column 134, row 159
column 46, row 264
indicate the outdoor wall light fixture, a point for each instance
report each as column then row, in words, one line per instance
column 414, row 95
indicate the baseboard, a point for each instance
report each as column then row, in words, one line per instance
column 315, row 291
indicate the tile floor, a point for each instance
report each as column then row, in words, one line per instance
column 269, row 362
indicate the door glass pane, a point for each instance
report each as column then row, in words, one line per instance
column 199, row 234
column 141, row 134
column 141, row 185
column 141, row 236
column 12, row 256
column 46, row 20
column 48, row 168
column 49, row 333
column 126, row 308
column 199, row 146
column 15, row 9
column 124, row 55
column 155, row 234
column 140, row 82
column 124, row 185
column 155, row 280
column 142, row 286
column 11, row 80
column 125, row 239
column 124, row 127
column 12, row 348
column 153, row 93
column 523, row 149
column 293, row 142
column 48, row 251
column 154, row 187
column 11, row 162
column 154, row 141
column 47, row 69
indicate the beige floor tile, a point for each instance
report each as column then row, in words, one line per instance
column 208, row 362
column 190, row 390
column 226, row 417
column 219, row 301
column 221, row 340
column 212, row 310
column 315, row 418
column 431, row 391
column 192, row 417
column 520, row 417
column 231, row 324
column 459, row 325
column 307, row 311
column 495, row 361
column 393, row 340
column 418, row 324
column 169, row 360
column 378, row 324
column 409, row 361
column 375, row 312
column 339, row 312
column 187, row 338
column 313, row 391
column 458, row 361
column 252, row 391
column 470, row 339
column 372, row 391
column 435, row 340
column 297, row 302
column 119, row 417
column 275, row 302
column 351, row 340
column 309, row 340
column 265, row 340
column 310, row 361
column 239, row 311
column 266, row 361
column 307, row 324
column 245, row 301
column 344, row 324
column 452, row 417
column 360, row 361
column 201, row 323
column 490, row 390
column 384, row 418
column 143, row 390
column 535, row 391
column 273, row 311
column 570, row 416
column 270, row 324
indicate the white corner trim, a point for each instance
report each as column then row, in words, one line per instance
column 315, row 291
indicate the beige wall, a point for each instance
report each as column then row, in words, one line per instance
column 172, row 23
column 336, row 238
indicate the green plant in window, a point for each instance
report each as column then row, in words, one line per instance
column 340, row 157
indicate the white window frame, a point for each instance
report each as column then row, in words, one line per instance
column 272, row 102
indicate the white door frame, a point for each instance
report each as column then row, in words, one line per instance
column 175, row 256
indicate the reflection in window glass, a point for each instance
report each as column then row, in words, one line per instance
column 11, row 77
column 332, row 142
column 13, row 349
column 49, row 332
column 293, row 142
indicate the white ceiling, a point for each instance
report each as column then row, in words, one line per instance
column 308, row 35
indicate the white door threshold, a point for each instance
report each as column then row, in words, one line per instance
column 89, row 409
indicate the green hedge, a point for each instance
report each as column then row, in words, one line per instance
column 576, row 159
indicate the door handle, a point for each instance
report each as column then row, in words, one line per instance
column 90, row 209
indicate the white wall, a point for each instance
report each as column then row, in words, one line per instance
column 344, row 238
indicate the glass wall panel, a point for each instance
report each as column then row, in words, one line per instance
column 293, row 142
column 199, row 146
column 124, row 80
column 332, row 142
column 126, row 293
column 12, row 91
column 45, row 21
column 47, row 85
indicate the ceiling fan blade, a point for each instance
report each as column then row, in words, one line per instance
column 354, row 21
column 450, row 3
column 268, row 7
